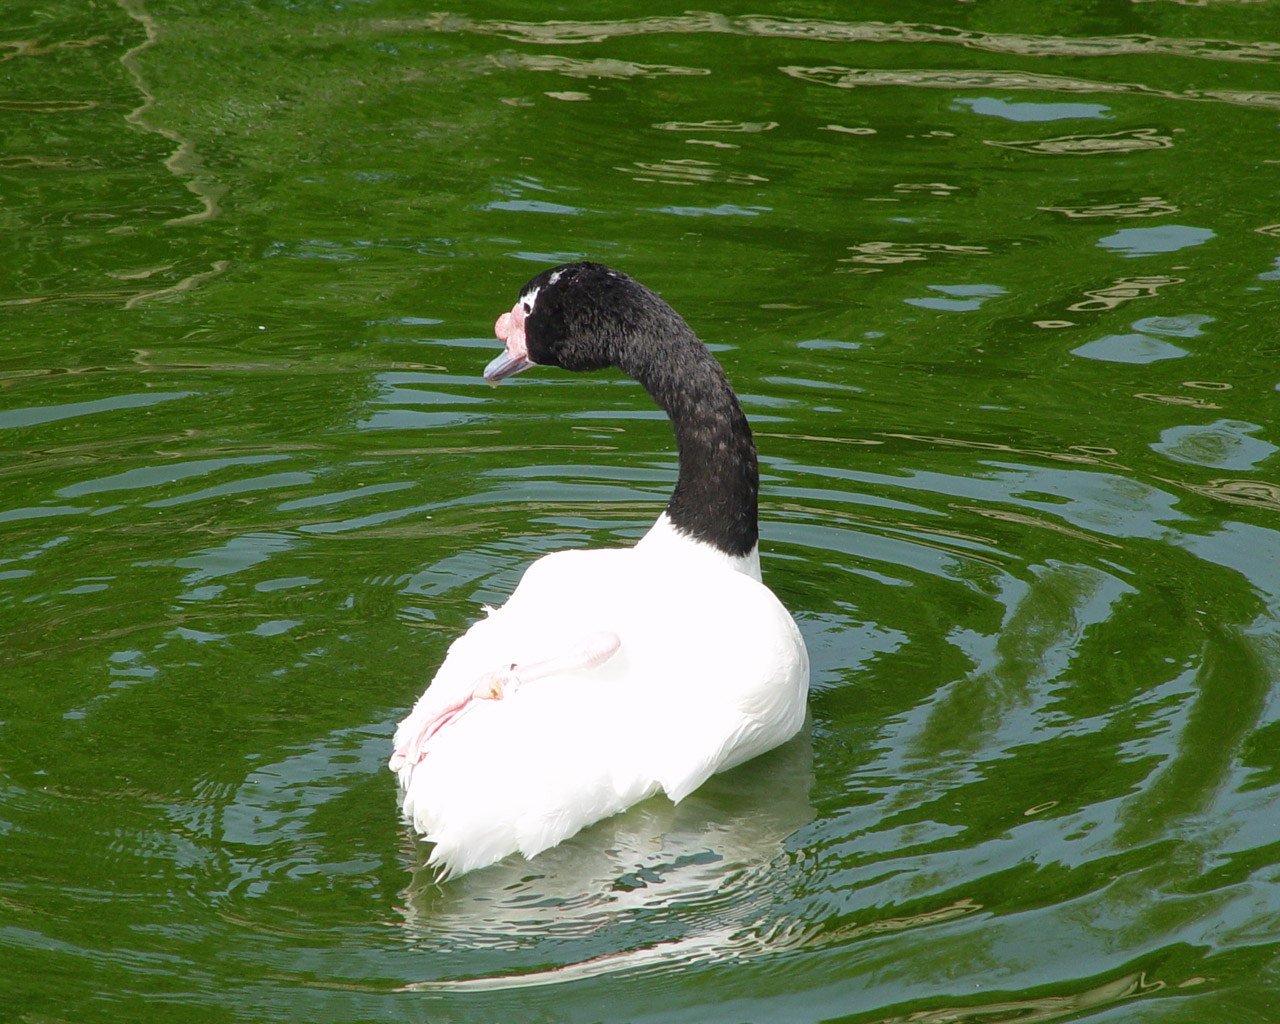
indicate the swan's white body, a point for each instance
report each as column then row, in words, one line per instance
column 610, row 674
column 710, row 671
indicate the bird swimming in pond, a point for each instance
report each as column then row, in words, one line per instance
column 610, row 673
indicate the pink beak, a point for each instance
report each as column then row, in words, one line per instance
column 509, row 330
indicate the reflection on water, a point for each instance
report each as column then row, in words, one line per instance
column 745, row 127
column 603, row 67
column 853, row 78
column 184, row 161
column 689, row 172
column 1039, row 1011
column 1143, row 206
column 1239, row 492
column 1124, row 289
column 723, row 848
column 908, row 252
column 556, row 32
column 1131, row 141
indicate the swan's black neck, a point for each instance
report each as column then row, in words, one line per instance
column 584, row 316
column 715, row 498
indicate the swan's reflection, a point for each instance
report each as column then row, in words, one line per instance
column 710, row 861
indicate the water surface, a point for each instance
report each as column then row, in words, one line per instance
column 997, row 288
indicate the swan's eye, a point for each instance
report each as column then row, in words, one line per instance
column 527, row 307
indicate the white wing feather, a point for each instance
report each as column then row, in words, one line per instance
column 711, row 671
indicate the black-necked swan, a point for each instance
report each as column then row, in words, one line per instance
column 610, row 674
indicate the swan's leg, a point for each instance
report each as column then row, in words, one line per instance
column 590, row 652
column 414, row 749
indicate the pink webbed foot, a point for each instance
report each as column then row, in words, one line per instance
column 591, row 652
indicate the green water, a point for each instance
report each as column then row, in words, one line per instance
column 999, row 286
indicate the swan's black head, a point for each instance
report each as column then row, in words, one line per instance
column 581, row 316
